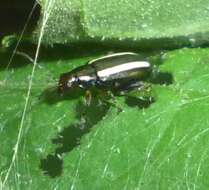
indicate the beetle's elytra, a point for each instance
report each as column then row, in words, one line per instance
column 110, row 72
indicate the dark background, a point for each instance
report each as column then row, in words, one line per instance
column 13, row 16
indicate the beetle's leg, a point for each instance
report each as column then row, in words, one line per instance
column 113, row 101
column 113, row 104
column 88, row 97
column 141, row 96
column 136, row 89
column 108, row 98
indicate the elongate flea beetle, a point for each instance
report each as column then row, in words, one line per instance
column 114, row 72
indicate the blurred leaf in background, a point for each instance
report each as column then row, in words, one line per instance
column 138, row 23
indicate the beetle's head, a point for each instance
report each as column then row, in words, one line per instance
column 67, row 82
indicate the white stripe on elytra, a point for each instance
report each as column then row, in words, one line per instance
column 112, row 55
column 123, row 67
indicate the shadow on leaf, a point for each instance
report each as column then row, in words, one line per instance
column 162, row 78
column 70, row 137
column 141, row 103
column 51, row 96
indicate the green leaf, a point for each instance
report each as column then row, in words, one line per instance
column 145, row 24
column 161, row 146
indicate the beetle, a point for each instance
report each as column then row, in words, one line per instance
column 115, row 72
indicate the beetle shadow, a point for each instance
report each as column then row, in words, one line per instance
column 70, row 137
column 52, row 96
column 162, row 78
column 141, row 103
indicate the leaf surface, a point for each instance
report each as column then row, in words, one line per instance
column 139, row 23
column 161, row 146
